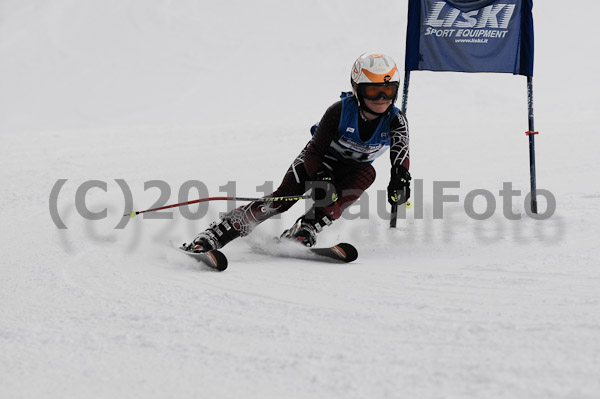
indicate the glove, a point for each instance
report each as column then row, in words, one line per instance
column 399, row 187
column 324, row 193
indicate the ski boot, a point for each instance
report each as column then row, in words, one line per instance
column 215, row 237
column 305, row 229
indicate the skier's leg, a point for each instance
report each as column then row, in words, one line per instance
column 351, row 182
column 241, row 221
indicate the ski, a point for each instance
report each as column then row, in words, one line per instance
column 342, row 252
column 214, row 259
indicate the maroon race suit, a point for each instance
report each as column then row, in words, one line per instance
column 351, row 178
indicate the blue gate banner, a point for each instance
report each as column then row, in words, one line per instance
column 470, row 36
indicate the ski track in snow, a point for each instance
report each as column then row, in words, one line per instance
column 452, row 308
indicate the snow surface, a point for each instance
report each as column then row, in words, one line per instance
column 183, row 90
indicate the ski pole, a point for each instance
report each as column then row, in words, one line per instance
column 265, row 199
column 394, row 213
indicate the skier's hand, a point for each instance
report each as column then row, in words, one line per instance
column 399, row 188
column 324, row 193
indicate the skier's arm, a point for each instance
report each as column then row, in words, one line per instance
column 399, row 186
column 399, row 153
column 321, row 140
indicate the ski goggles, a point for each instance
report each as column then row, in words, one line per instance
column 375, row 91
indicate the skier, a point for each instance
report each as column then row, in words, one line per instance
column 336, row 162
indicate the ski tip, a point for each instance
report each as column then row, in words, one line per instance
column 219, row 260
column 214, row 259
column 350, row 253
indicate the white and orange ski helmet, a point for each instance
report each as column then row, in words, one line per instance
column 374, row 70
